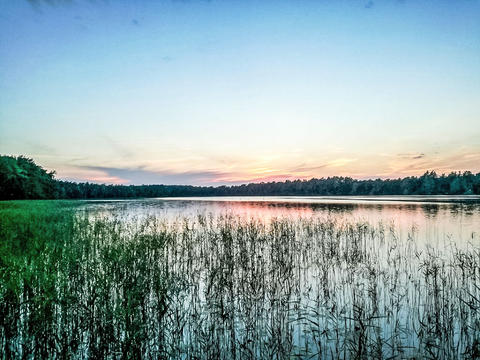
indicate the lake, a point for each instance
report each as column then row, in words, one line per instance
column 242, row 278
column 436, row 218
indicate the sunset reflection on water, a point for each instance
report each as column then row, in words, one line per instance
column 436, row 219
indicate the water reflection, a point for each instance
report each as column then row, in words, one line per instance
column 268, row 279
column 436, row 217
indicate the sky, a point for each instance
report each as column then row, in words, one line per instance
column 227, row 92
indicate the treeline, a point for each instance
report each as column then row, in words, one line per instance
column 21, row 178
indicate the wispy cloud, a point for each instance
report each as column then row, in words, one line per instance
column 304, row 168
column 39, row 149
column 118, row 147
column 141, row 175
column 407, row 164
column 340, row 162
column 413, row 156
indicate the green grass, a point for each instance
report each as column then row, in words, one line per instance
column 77, row 284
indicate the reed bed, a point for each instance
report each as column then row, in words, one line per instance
column 78, row 285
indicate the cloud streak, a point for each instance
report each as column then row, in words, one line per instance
column 412, row 156
column 141, row 175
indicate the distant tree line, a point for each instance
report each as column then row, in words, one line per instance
column 21, row 178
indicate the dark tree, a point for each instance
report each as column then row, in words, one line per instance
column 21, row 178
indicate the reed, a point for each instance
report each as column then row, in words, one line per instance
column 79, row 284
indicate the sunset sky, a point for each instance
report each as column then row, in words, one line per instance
column 219, row 92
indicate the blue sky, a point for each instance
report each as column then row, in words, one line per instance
column 218, row 92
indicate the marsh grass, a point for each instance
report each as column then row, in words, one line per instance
column 78, row 285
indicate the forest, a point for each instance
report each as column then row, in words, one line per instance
column 22, row 178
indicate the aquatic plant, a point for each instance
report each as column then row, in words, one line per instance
column 80, row 284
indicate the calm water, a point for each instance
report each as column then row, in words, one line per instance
column 436, row 219
column 319, row 277
column 256, row 278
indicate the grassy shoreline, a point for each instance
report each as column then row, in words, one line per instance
column 77, row 285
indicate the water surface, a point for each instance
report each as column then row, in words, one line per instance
column 245, row 278
column 437, row 219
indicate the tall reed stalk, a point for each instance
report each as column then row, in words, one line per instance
column 74, row 284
